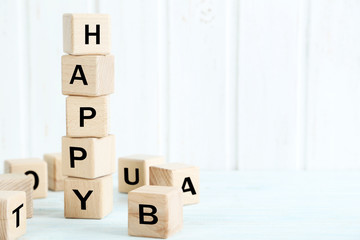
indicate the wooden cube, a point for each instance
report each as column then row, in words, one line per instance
column 182, row 176
column 86, row 34
column 88, row 157
column 87, row 116
column 19, row 182
column 12, row 214
column 55, row 175
column 91, row 75
column 155, row 211
column 88, row 198
column 134, row 171
column 35, row 167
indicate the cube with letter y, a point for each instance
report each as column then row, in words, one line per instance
column 183, row 176
column 35, row 167
column 88, row 198
column 87, row 116
column 12, row 214
column 155, row 211
column 86, row 34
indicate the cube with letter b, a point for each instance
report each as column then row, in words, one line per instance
column 134, row 170
column 88, row 198
column 183, row 176
column 35, row 167
column 88, row 157
column 155, row 211
column 87, row 116
column 91, row 75
column 86, row 34
column 12, row 214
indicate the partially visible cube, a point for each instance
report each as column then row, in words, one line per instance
column 155, row 211
column 182, row 176
column 12, row 214
column 87, row 116
column 19, row 182
column 35, row 167
column 88, row 157
column 91, row 75
column 134, row 170
column 55, row 176
column 86, row 34
column 88, row 198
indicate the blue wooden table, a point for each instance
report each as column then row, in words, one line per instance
column 234, row 205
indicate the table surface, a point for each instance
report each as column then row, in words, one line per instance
column 234, row 205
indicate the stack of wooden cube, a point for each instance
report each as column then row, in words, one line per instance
column 88, row 151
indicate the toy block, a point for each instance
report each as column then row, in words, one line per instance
column 155, row 211
column 88, row 198
column 134, row 171
column 88, row 157
column 55, row 175
column 182, row 176
column 86, row 34
column 19, row 182
column 35, row 167
column 91, row 75
column 87, row 116
column 12, row 214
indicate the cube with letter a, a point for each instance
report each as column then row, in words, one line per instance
column 182, row 176
column 12, row 214
column 86, row 34
column 134, row 170
column 35, row 167
column 155, row 211
column 88, row 198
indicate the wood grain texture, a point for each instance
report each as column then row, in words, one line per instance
column 137, row 168
column 74, row 34
column 19, row 182
column 55, row 175
column 169, row 211
column 97, row 126
column 99, row 161
column 182, row 176
column 96, row 71
column 12, row 224
column 98, row 204
column 34, row 167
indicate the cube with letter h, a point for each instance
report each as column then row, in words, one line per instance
column 182, row 176
column 155, row 211
column 134, row 170
column 12, row 214
column 35, row 167
column 86, row 34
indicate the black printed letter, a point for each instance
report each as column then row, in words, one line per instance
column 82, row 75
column 17, row 211
column 126, row 176
column 72, row 155
column 191, row 186
column 83, row 199
column 36, row 178
column 87, row 34
column 151, row 214
column 82, row 114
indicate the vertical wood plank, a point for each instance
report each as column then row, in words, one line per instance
column 135, row 108
column 267, row 84
column 47, row 110
column 13, row 93
column 334, row 86
column 198, row 84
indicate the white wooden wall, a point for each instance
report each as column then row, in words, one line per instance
column 249, row 84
